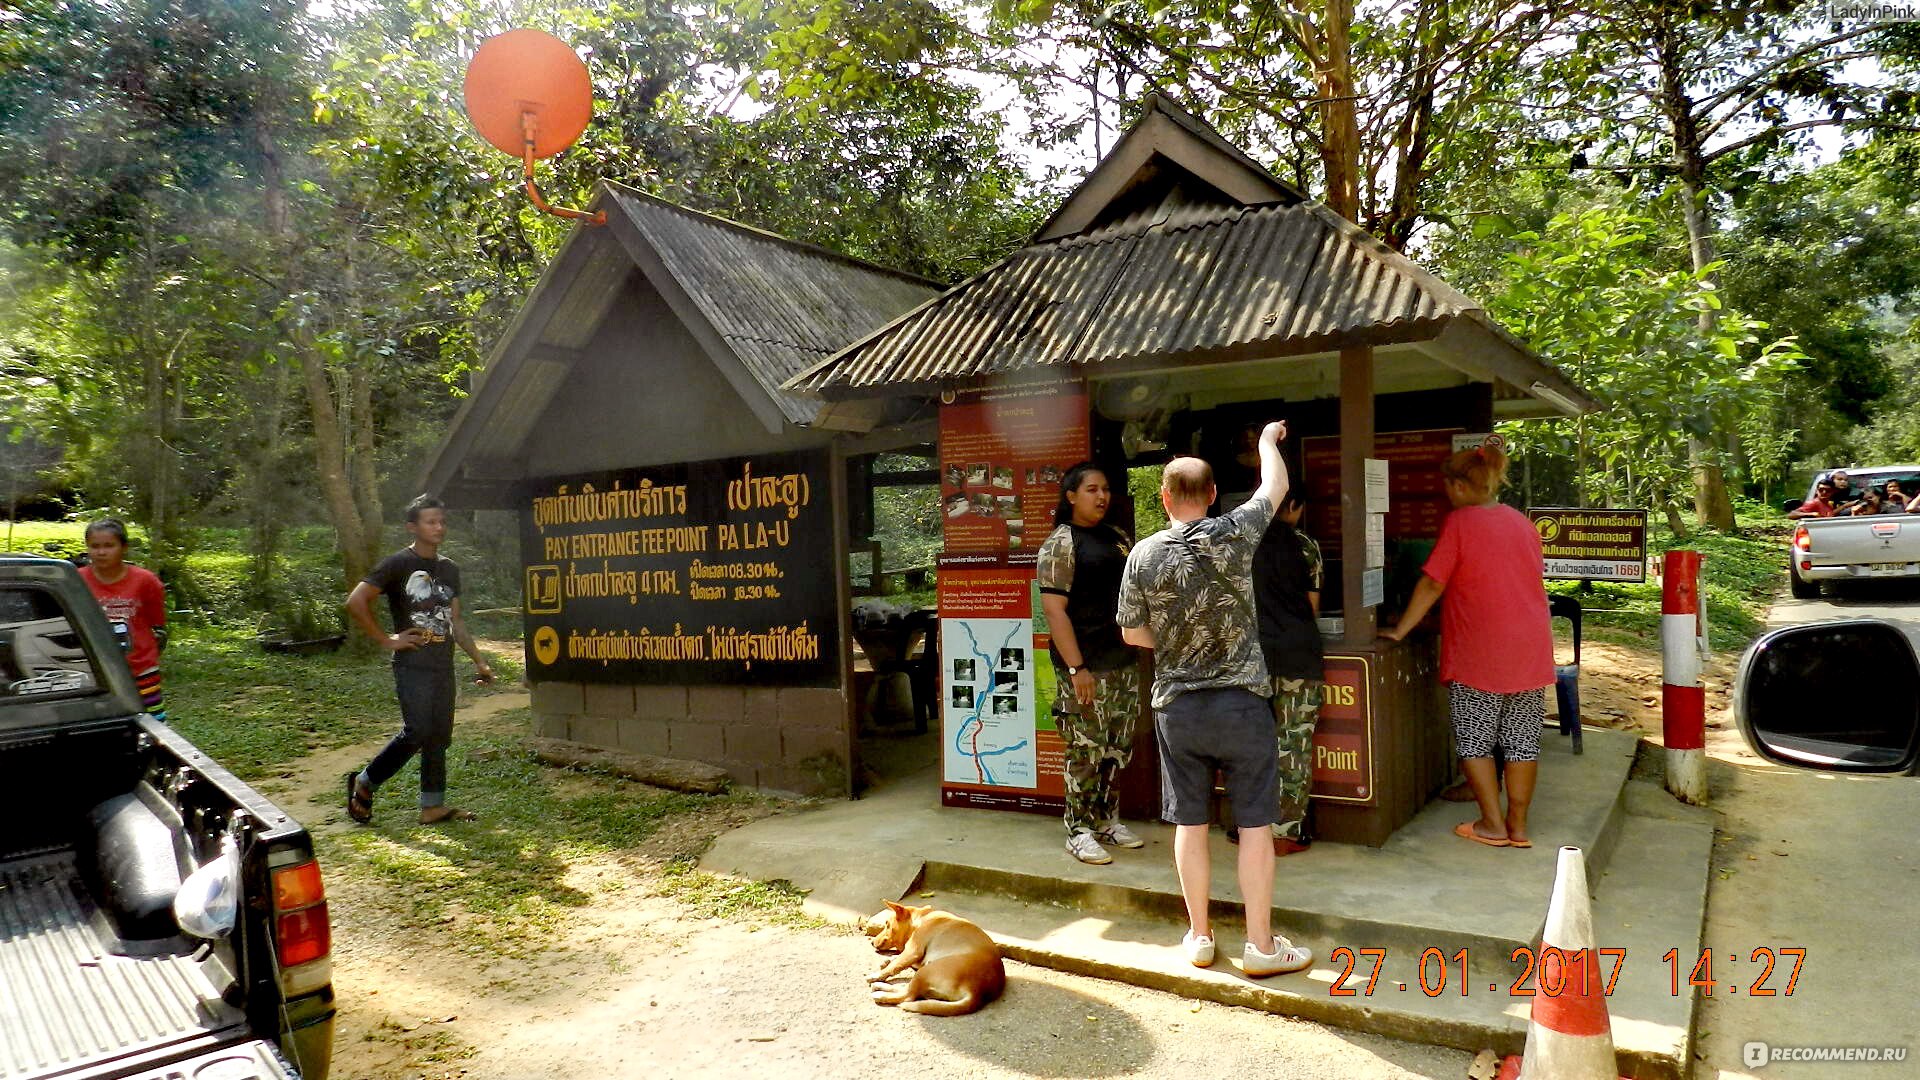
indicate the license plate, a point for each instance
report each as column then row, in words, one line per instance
column 1894, row 570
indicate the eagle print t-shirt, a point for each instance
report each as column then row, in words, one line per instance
column 420, row 593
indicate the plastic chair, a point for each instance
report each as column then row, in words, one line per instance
column 1566, row 677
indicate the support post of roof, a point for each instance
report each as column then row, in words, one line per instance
column 843, row 613
column 1356, row 446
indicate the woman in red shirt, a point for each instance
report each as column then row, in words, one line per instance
column 130, row 595
column 1496, row 640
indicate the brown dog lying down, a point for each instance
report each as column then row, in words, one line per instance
column 959, row 965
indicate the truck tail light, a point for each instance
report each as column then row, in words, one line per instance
column 1801, row 539
column 303, row 936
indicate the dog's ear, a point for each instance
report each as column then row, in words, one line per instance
column 897, row 908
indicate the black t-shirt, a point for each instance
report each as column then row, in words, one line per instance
column 1087, row 572
column 420, row 594
column 1285, row 570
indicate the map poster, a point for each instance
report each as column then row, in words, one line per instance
column 1002, row 454
column 999, row 748
column 1343, row 739
column 1417, row 501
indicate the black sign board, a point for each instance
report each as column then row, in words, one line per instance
column 1592, row 545
column 705, row 572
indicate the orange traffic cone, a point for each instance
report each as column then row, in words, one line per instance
column 1569, row 1036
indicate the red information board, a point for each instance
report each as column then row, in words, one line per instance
column 1343, row 740
column 1002, row 454
column 1416, row 499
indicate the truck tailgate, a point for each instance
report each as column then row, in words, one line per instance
column 68, row 1003
column 1862, row 541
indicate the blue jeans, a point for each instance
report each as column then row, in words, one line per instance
column 426, row 728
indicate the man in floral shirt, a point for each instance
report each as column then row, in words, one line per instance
column 1187, row 595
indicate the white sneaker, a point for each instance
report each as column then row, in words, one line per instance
column 1119, row 836
column 1199, row 949
column 1083, row 846
column 1285, row 957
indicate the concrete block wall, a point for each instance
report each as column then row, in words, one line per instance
column 787, row 739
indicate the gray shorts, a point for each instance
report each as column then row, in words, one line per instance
column 1483, row 720
column 1229, row 730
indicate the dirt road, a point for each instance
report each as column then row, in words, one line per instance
column 635, row 983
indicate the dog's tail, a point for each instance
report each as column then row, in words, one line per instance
column 967, row 1003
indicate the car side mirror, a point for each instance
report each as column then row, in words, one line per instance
column 1784, row 697
column 1790, row 505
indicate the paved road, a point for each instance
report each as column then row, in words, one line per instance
column 1825, row 863
column 1897, row 600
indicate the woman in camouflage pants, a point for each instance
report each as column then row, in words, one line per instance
column 1096, row 674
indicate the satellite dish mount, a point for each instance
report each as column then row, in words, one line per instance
column 529, row 95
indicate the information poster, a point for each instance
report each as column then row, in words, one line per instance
column 1416, row 498
column 1592, row 545
column 707, row 572
column 1343, row 740
column 1002, row 454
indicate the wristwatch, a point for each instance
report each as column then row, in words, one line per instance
column 1072, row 670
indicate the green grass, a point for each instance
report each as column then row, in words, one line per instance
column 508, row 881
column 1741, row 575
column 255, row 711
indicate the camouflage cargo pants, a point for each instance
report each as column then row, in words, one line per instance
column 1296, row 709
column 1099, row 743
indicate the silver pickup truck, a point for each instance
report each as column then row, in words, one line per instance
column 1857, row 548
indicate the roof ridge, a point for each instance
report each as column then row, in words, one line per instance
column 767, row 235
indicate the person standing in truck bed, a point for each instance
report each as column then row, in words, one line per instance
column 422, row 588
column 133, row 596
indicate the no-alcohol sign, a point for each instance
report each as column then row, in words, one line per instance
column 1592, row 545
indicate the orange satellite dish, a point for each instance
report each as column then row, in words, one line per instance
column 528, row 93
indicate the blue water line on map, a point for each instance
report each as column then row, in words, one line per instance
column 980, row 704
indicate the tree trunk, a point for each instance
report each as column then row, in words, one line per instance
column 329, row 439
column 1711, row 507
column 1339, row 125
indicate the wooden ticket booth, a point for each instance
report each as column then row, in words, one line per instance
column 1179, row 297
column 683, row 520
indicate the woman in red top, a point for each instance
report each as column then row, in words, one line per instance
column 130, row 595
column 1496, row 640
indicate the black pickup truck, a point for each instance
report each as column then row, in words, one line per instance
column 158, row 918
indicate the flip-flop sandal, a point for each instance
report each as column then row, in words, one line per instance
column 359, row 808
column 1465, row 829
column 1519, row 843
column 1460, row 792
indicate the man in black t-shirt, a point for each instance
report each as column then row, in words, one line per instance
column 1287, row 574
column 423, row 593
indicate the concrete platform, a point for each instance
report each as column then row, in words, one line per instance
column 1424, row 890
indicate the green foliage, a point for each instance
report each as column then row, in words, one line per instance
column 1582, row 294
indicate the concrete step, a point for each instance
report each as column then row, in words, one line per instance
column 1651, row 901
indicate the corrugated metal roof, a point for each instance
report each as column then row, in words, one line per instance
column 780, row 305
column 1165, row 283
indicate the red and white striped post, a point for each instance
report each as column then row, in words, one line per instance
column 1683, row 701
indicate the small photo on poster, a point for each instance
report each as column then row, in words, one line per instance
column 1016, row 534
column 956, row 476
column 1006, row 704
column 983, row 505
column 1033, row 477
column 1013, row 659
column 1003, row 478
column 977, row 474
column 963, row 697
column 1006, row 506
column 1049, row 474
column 1006, row 682
column 957, row 505
column 963, row 670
